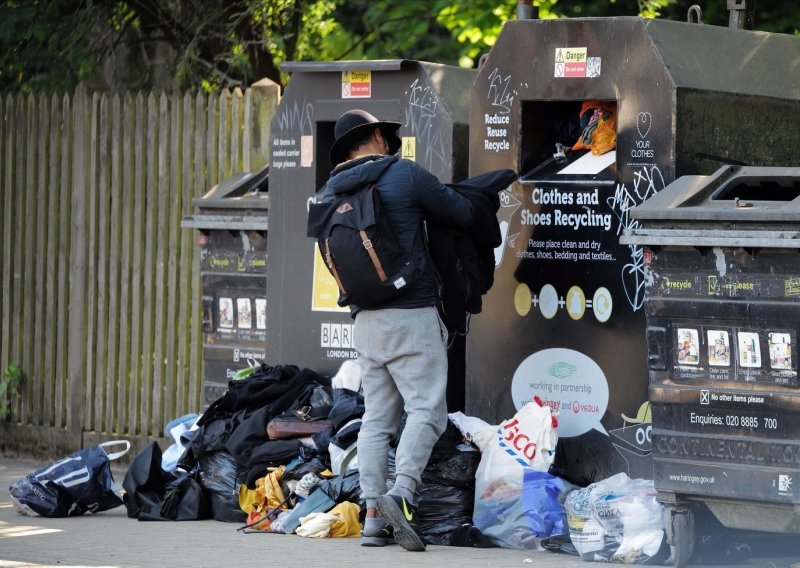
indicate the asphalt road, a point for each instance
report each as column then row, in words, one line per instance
column 111, row 539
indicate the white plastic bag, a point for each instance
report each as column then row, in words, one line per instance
column 517, row 503
column 469, row 426
column 348, row 376
column 528, row 439
column 618, row 520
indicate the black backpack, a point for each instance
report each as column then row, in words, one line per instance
column 360, row 249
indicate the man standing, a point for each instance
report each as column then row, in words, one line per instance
column 401, row 343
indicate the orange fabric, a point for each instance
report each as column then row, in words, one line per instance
column 609, row 106
column 604, row 133
column 264, row 525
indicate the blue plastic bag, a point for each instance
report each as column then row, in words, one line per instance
column 515, row 516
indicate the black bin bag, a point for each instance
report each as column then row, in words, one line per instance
column 152, row 494
column 446, row 494
column 220, row 477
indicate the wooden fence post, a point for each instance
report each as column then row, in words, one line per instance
column 7, row 116
column 260, row 107
column 76, row 367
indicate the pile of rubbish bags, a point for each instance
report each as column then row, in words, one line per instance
column 277, row 452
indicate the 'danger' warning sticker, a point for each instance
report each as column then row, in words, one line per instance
column 575, row 62
column 356, row 84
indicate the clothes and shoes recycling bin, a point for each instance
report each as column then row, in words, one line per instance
column 722, row 297
column 565, row 319
column 431, row 101
column 232, row 224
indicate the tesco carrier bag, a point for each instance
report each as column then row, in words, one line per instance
column 517, row 502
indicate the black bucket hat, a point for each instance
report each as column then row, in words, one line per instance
column 354, row 124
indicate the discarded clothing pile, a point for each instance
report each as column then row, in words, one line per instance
column 277, row 452
column 264, row 420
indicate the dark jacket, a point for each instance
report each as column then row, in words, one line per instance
column 410, row 195
column 464, row 258
column 237, row 422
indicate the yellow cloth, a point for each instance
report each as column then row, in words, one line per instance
column 341, row 521
column 266, row 496
column 348, row 524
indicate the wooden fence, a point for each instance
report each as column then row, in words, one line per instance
column 100, row 285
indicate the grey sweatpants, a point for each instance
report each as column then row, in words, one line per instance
column 403, row 360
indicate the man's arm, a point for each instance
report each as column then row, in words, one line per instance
column 438, row 201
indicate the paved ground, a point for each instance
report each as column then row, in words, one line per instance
column 111, row 539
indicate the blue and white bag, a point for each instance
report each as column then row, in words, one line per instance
column 80, row 482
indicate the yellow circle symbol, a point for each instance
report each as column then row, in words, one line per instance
column 576, row 303
column 522, row 299
column 602, row 304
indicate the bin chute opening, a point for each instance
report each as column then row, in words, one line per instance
column 760, row 189
column 323, row 142
column 556, row 134
column 239, row 185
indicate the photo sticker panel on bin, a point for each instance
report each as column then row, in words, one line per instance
column 749, row 349
column 245, row 313
column 226, row 312
column 719, row 348
column 261, row 313
column 780, row 350
column 688, row 346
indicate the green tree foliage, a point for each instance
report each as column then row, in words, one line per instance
column 49, row 45
column 475, row 24
column 770, row 16
column 455, row 32
column 230, row 43
column 10, row 382
column 45, row 45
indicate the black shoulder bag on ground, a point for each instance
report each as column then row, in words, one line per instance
column 152, row 494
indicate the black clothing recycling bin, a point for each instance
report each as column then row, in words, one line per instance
column 722, row 297
column 431, row 101
column 564, row 319
column 232, row 224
